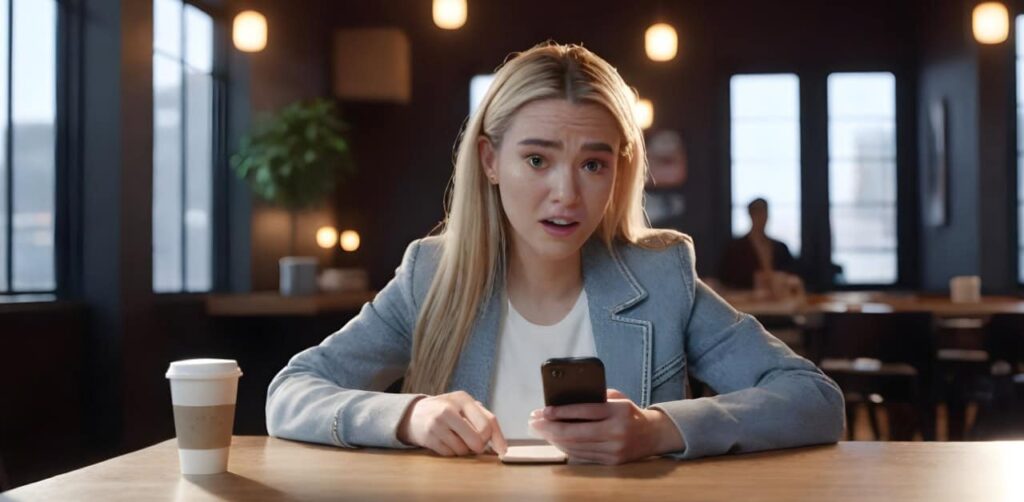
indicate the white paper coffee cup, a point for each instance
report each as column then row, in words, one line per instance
column 203, row 393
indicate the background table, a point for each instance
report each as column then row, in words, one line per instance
column 264, row 468
column 868, row 301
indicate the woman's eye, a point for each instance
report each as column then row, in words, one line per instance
column 593, row 166
column 535, row 161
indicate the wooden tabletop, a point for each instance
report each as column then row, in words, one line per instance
column 264, row 468
column 877, row 302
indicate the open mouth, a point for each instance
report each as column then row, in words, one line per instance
column 559, row 224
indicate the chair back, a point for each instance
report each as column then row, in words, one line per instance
column 1005, row 339
column 892, row 337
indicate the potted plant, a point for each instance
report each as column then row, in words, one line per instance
column 293, row 160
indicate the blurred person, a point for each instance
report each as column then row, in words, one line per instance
column 755, row 253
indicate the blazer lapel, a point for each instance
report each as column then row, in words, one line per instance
column 623, row 343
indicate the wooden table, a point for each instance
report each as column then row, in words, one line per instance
column 271, row 303
column 877, row 302
column 264, row 468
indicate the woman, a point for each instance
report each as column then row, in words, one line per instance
column 545, row 253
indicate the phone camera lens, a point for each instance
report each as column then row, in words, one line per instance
column 557, row 373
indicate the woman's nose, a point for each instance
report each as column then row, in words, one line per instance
column 564, row 189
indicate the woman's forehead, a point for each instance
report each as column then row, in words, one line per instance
column 560, row 119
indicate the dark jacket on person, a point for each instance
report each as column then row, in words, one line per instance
column 740, row 262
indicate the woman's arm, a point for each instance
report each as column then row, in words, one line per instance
column 314, row 398
column 769, row 397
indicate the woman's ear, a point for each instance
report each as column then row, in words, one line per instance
column 488, row 157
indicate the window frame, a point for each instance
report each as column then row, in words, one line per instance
column 815, row 227
column 64, row 55
column 220, row 175
column 737, row 205
column 895, row 160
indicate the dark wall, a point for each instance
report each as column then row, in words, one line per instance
column 404, row 151
column 948, row 70
column 976, row 82
column 42, row 379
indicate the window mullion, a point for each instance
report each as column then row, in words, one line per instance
column 8, row 153
column 184, row 156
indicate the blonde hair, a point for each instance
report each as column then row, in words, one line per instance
column 474, row 235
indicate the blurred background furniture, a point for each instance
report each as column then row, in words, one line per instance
column 880, row 360
column 999, row 390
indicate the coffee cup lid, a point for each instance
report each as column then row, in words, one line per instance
column 204, row 369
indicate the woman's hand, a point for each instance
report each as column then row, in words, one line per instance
column 451, row 424
column 616, row 432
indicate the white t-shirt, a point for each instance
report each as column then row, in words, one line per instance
column 522, row 348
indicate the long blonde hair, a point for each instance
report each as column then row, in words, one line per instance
column 474, row 235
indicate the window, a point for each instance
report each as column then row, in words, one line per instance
column 862, row 175
column 1020, row 146
column 28, row 145
column 765, row 152
column 477, row 89
column 183, row 147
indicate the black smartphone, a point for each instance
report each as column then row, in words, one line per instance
column 573, row 380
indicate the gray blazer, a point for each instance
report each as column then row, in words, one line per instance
column 653, row 321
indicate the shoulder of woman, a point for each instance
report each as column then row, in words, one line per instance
column 659, row 250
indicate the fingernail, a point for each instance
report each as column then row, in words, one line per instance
column 536, row 413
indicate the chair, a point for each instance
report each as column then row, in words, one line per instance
column 880, row 359
column 1001, row 408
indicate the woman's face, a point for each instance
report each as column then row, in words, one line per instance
column 555, row 170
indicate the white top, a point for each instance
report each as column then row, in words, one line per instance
column 523, row 347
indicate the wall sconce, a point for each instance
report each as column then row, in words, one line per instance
column 350, row 240
column 249, row 31
column 326, row 237
column 643, row 112
column 991, row 23
column 661, row 42
column 449, row 14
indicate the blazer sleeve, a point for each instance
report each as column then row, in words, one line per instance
column 768, row 396
column 333, row 393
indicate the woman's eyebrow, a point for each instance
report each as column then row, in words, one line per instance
column 596, row 146
column 546, row 143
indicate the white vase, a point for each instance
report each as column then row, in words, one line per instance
column 298, row 275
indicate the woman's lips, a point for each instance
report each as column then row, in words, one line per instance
column 560, row 230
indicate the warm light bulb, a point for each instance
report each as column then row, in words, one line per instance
column 450, row 14
column 350, row 240
column 326, row 237
column 661, row 42
column 991, row 23
column 643, row 112
column 250, row 31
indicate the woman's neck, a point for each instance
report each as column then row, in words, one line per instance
column 543, row 290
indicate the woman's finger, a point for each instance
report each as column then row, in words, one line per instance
column 452, row 441
column 485, row 422
column 434, row 444
column 615, row 394
column 580, row 456
column 588, row 411
column 469, row 434
column 594, row 447
column 555, row 431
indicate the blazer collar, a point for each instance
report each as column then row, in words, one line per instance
column 611, row 288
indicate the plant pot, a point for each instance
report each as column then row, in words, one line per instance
column 298, row 275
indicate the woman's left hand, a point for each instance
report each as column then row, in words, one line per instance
column 615, row 432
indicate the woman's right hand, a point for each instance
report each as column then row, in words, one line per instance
column 451, row 424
